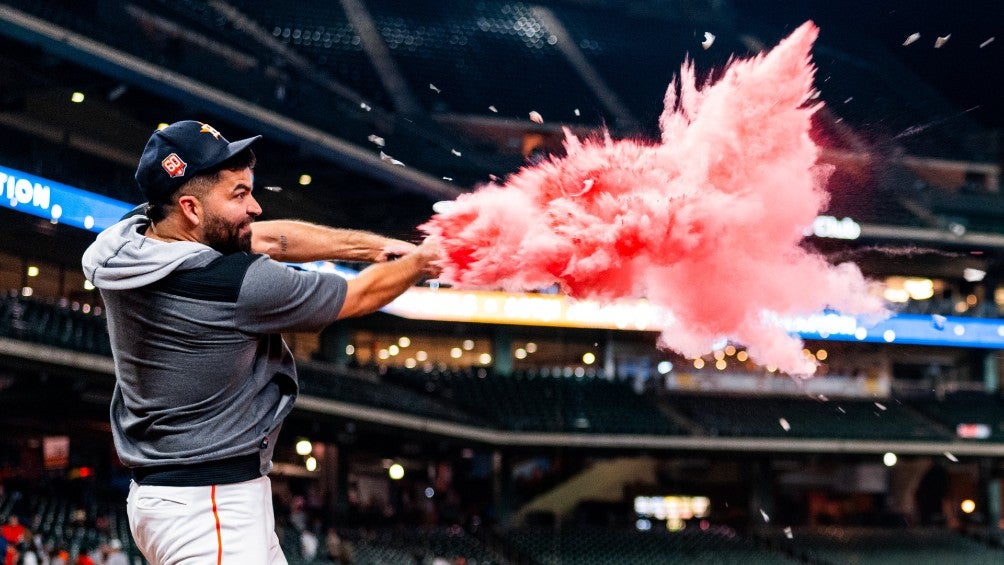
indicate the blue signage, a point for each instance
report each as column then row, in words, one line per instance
column 57, row 202
column 910, row 329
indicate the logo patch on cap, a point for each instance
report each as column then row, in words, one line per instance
column 174, row 165
column 206, row 128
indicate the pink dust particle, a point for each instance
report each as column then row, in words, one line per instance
column 705, row 223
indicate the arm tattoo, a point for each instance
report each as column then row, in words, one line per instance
column 283, row 243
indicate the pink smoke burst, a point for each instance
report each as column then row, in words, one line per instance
column 705, row 223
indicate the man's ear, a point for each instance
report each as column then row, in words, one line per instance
column 191, row 208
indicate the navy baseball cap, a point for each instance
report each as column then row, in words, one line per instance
column 180, row 151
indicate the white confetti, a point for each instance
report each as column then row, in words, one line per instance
column 911, row 39
column 823, row 397
column 389, row 159
column 536, row 117
column 788, row 534
column 365, row 106
column 493, row 109
column 987, row 42
column 849, row 98
column 455, row 152
column 576, row 112
column 376, row 140
column 880, row 406
column 941, row 41
column 784, row 425
column 938, row 321
column 443, row 206
column 274, row 188
column 951, row 457
column 587, row 184
column 766, row 518
column 842, row 411
column 433, row 88
column 494, row 178
column 448, row 178
column 709, row 40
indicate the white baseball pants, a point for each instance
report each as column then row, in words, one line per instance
column 222, row 524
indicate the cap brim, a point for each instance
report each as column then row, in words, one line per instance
column 236, row 147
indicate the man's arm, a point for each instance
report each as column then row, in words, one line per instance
column 297, row 242
column 377, row 285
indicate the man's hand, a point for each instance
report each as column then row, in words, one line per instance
column 430, row 253
column 396, row 248
column 379, row 284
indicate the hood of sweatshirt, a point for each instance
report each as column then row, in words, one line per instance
column 123, row 258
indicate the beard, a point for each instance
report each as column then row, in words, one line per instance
column 227, row 238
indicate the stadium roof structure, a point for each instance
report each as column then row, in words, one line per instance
column 344, row 92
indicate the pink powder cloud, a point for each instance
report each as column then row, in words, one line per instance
column 705, row 223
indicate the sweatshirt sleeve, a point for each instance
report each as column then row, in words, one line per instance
column 276, row 298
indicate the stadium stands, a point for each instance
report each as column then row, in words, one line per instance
column 542, row 403
column 381, row 395
column 868, row 546
column 59, row 324
column 966, row 407
column 77, row 528
column 407, row 546
column 601, row 546
column 532, row 401
column 807, row 417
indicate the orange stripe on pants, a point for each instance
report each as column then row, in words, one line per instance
column 219, row 535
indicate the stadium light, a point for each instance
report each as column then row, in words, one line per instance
column 396, row 472
column 304, row 447
column 588, row 358
column 77, row 97
column 889, row 459
column 32, row 271
column 968, row 506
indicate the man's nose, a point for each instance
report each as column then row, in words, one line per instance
column 254, row 209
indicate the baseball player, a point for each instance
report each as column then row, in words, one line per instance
column 195, row 303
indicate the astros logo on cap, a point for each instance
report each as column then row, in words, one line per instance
column 206, row 128
column 174, row 165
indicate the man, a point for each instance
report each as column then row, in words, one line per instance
column 203, row 378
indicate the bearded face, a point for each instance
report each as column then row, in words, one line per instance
column 228, row 237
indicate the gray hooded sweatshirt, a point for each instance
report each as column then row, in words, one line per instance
column 202, row 373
